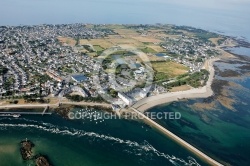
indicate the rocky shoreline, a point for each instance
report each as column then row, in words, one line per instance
column 64, row 110
column 26, row 149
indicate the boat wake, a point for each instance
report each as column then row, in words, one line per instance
column 135, row 148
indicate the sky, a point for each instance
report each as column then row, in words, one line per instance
column 223, row 15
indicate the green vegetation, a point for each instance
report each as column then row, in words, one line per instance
column 107, row 61
column 160, row 77
column 127, row 53
column 199, row 33
column 89, row 48
column 98, row 48
column 44, row 78
column 8, row 83
column 77, row 41
column 14, row 102
column 147, row 43
column 220, row 41
column 205, row 36
column 78, row 98
column 199, row 60
column 195, row 80
column 35, row 98
column 67, row 70
column 148, row 50
column 3, row 70
column 211, row 53
column 166, row 69
column 113, row 93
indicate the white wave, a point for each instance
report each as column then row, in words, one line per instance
column 145, row 146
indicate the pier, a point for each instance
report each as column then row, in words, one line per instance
column 177, row 139
column 17, row 114
column 45, row 109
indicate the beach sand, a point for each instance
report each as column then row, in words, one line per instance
column 203, row 92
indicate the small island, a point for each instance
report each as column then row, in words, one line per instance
column 26, row 149
column 42, row 161
column 27, row 154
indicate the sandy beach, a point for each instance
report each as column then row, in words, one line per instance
column 203, row 92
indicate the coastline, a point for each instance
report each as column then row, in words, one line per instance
column 203, row 92
column 144, row 104
column 177, row 139
column 54, row 105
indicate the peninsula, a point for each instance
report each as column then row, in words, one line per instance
column 112, row 66
column 106, row 65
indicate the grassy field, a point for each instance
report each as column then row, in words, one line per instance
column 148, row 50
column 146, row 39
column 98, row 48
column 126, row 32
column 66, row 40
column 171, row 69
column 127, row 41
column 100, row 42
column 215, row 40
column 129, row 37
column 156, row 48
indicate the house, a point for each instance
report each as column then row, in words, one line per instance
column 125, row 98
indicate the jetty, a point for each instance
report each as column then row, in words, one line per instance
column 25, row 113
column 18, row 114
column 177, row 139
column 45, row 109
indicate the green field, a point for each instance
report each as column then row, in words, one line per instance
column 148, row 50
column 98, row 48
column 170, row 69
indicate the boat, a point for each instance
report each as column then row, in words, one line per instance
column 16, row 115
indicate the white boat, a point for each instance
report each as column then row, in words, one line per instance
column 16, row 115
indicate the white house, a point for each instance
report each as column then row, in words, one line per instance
column 125, row 98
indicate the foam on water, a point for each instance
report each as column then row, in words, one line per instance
column 135, row 148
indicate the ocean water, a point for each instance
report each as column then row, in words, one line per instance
column 229, row 17
column 240, row 51
column 220, row 132
column 224, row 135
column 83, row 142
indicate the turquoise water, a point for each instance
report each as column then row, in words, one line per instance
column 225, row 138
column 222, row 133
column 83, row 142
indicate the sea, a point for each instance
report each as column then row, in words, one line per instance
column 220, row 132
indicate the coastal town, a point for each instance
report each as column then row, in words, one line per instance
column 69, row 62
